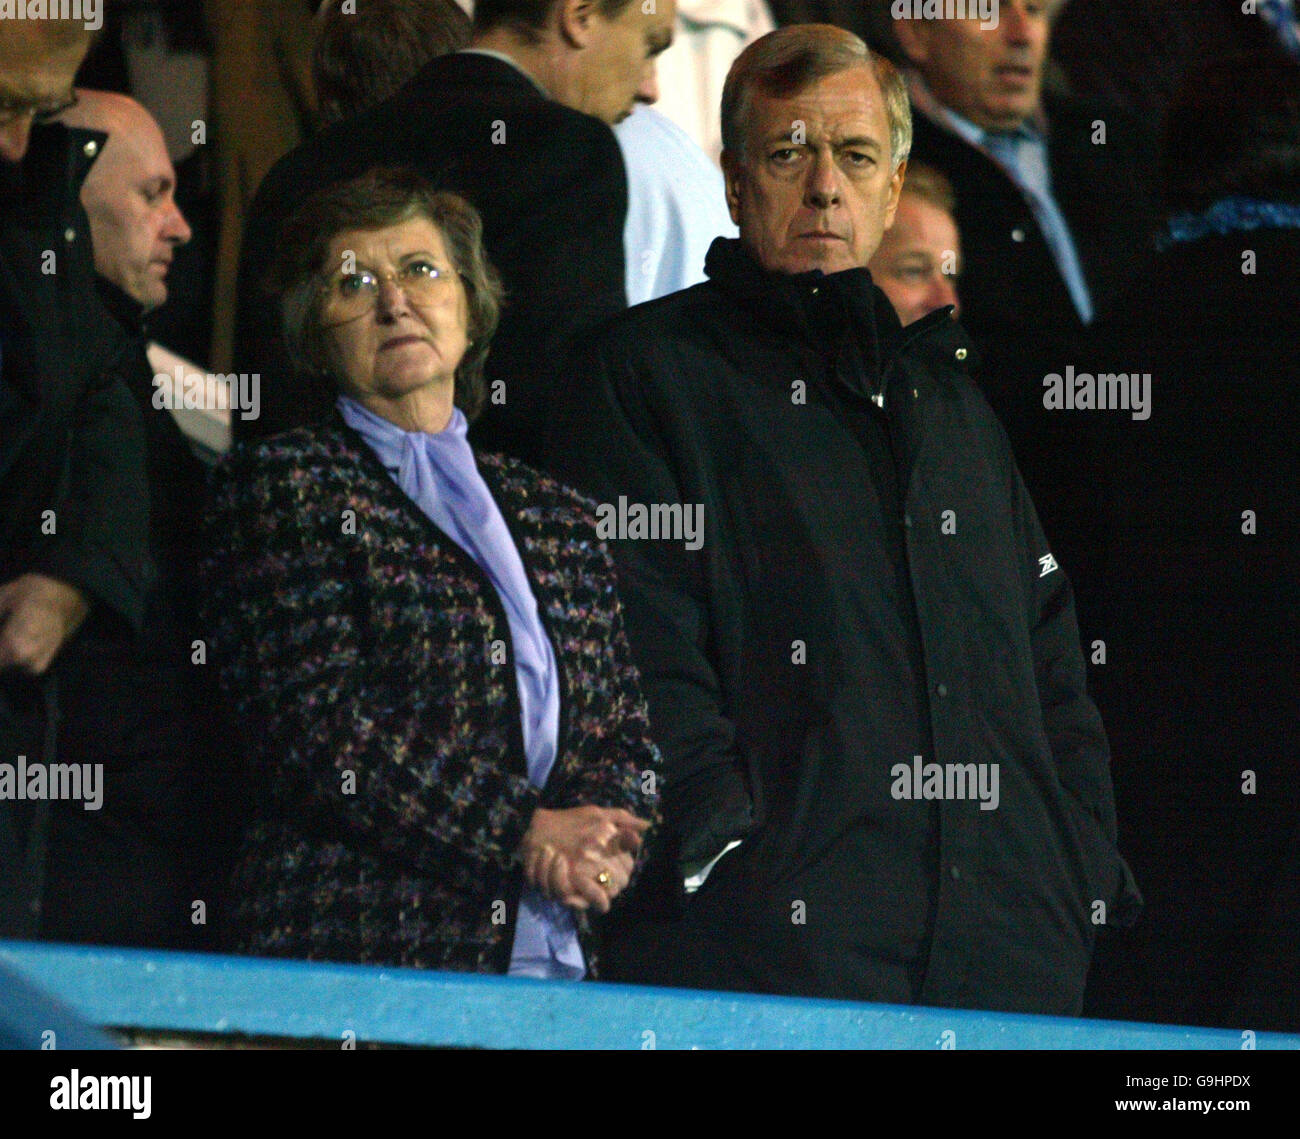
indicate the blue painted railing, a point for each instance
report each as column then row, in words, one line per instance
column 181, row 992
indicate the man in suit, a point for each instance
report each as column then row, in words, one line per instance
column 1052, row 206
column 1051, row 203
column 73, row 498
column 518, row 124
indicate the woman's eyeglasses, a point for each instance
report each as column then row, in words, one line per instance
column 350, row 295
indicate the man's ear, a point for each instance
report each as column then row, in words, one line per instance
column 574, row 22
column 895, row 192
column 732, row 176
column 912, row 38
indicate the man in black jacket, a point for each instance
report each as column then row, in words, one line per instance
column 129, row 874
column 73, row 498
column 512, row 125
column 865, row 670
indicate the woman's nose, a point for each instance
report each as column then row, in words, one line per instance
column 391, row 300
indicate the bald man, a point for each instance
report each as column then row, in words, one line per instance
column 129, row 196
column 141, row 709
column 136, row 227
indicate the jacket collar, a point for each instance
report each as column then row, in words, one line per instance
column 818, row 310
column 476, row 70
column 57, row 156
column 840, row 315
column 811, row 306
column 122, row 307
column 510, row 61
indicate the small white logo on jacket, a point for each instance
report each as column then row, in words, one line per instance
column 1048, row 563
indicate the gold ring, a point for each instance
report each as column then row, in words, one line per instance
column 603, row 878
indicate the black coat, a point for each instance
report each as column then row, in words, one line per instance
column 1015, row 303
column 70, row 436
column 71, row 444
column 1199, row 618
column 829, row 628
column 550, row 185
column 148, row 708
column 1010, row 283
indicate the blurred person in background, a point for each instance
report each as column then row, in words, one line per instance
column 1055, row 213
column 1194, row 592
column 919, row 258
column 1051, row 212
column 366, row 50
column 675, row 207
column 422, row 642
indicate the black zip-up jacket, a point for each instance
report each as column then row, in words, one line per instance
column 872, row 585
column 74, row 501
column 70, row 437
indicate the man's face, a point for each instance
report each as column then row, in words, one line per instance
column 919, row 259
column 35, row 76
column 992, row 77
column 617, row 68
column 815, row 187
column 135, row 224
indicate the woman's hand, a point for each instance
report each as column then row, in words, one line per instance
column 582, row 856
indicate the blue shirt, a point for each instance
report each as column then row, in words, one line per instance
column 1281, row 16
column 676, row 205
column 438, row 473
column 1022, row 155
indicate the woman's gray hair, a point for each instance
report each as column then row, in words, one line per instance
column 383, row 197
column 789, row 60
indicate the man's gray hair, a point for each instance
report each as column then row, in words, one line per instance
column 789, row 60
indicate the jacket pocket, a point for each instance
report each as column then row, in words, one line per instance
column 1109, row 879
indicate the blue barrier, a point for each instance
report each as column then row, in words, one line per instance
column 182, row 992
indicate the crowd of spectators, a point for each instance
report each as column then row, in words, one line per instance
column 774, row 495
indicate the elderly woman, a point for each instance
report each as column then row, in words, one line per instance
column 423, row 644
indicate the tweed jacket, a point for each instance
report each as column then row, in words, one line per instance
column 368, row 660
